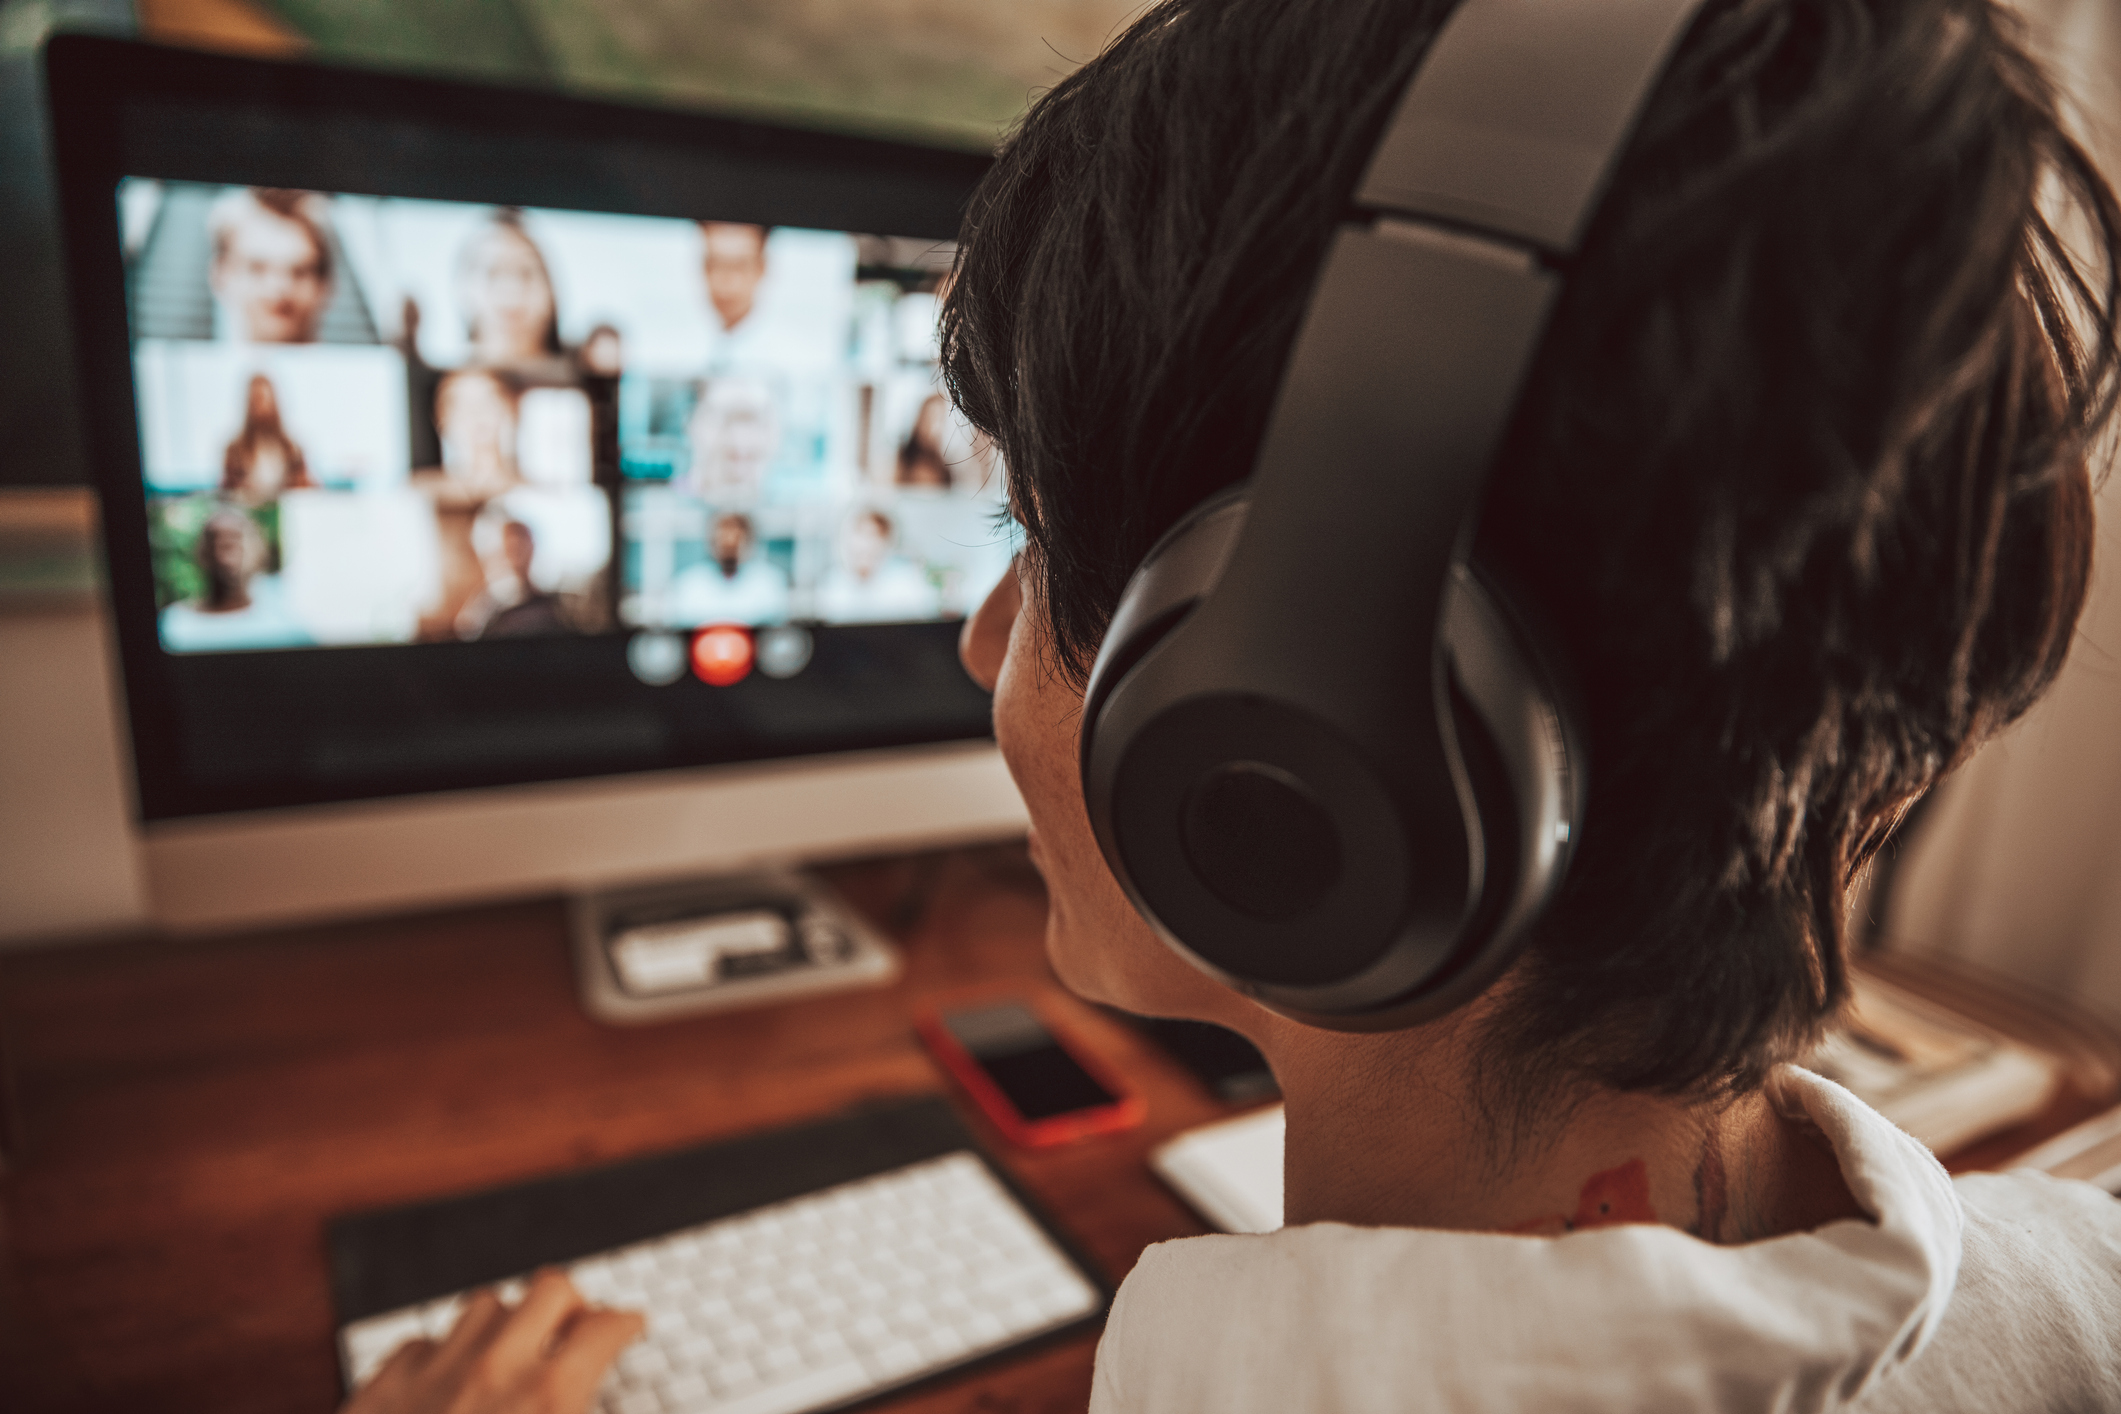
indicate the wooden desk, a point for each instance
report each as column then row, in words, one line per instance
column 194, row 1113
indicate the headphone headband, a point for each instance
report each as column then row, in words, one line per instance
column 1518, row 114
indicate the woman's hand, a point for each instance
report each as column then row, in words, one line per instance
column 544, row 1356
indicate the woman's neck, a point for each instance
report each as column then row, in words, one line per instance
column 1396, row 1129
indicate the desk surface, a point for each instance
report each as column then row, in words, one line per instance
column 195, row 1111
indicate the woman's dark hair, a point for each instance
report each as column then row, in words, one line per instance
column 1799, row 483
column 259, row 431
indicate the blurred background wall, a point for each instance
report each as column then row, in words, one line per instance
column 2016, row 865
column 956, row 69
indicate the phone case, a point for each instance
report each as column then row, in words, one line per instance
column 1126, row 1110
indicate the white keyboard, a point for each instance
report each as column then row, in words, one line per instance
column 809, row 1303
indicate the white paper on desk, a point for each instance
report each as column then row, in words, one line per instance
column 1229, row 1171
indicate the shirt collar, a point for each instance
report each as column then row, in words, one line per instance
column 1643, row 1317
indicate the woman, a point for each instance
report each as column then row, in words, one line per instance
column 263, row 460
column 505, row 292
column 477, row 415
column 1800, row 486
column 920, row 457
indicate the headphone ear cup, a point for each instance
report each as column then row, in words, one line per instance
column 1519, row 741
column 1173, row 578
column 1501, row 822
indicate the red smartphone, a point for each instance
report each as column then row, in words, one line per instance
column 1037, row 1088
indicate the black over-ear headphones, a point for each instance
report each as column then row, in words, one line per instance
column 1325, row 755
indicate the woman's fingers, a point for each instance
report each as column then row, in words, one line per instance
column 405, row 1363
column 481, row 1315
column 549, row 1352
column 395, row 1387
column 532, row 1327
column 588, row 1345
column 409, row 1358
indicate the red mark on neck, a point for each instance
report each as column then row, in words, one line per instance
column 1619, row 1195
column 1615, row 1195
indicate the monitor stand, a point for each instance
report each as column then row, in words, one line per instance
column 677, row 949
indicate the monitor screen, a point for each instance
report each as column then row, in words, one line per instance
column 452, row 438
column 371, row 420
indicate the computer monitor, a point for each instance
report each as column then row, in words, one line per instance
column 504, row 491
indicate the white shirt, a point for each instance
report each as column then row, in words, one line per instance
column 756, row 594
column 266, row 622
column 1997, row 1292
column 896, row 593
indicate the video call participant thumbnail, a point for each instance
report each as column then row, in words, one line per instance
column 510, row 604
column 733, row 262
column 511, row 312
column 735, row 585
column 871, row 582
column 262, row 460
column 735, row 433
column 273, row 267
column 766, row 289
column 477, row 413
column 238, row 605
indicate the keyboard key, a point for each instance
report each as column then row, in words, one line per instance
column 897, row 1358
column 683, row 1390
column 734, row 1373
column 643, row 1362
column 826, row 1347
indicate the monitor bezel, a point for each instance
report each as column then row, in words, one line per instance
column 123, row 108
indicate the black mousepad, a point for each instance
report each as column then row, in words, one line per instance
column 393, row 1257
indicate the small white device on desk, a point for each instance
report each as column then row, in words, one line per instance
column 652, row 954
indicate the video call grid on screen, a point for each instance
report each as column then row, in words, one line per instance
column 376, row 710
column 369, row 420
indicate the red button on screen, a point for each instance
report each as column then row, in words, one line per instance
column 721, row 655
